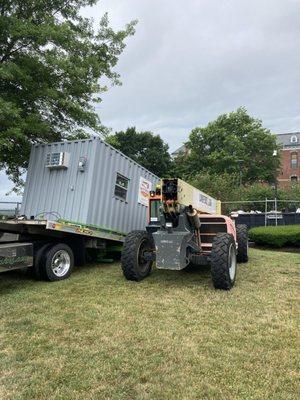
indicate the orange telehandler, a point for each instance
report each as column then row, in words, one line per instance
column 185, row 227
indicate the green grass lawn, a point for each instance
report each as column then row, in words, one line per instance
column 172, row 336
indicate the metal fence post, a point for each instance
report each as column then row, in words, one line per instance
column 266, row 210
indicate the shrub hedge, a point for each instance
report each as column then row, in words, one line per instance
column 276, row 236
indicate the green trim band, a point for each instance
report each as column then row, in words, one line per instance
column 96, row 227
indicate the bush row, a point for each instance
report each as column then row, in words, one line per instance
column 225, row 187
column 276, row 236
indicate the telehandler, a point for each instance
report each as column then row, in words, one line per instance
column 185, row 228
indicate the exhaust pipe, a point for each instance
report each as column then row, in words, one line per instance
column 193, row 217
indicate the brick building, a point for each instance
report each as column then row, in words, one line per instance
column 289, row 173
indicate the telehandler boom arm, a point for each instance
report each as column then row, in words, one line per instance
column 179, row 193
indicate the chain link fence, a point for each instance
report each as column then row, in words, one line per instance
column 263, row 212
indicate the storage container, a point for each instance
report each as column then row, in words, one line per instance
column 87, row 182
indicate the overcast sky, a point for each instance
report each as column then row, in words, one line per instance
column 192, row 60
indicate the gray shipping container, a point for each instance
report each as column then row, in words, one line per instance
column 87, row 182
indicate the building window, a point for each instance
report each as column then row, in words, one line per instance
column 121, row 187
column 294, row 139
column 294, row 180
column 294, row 160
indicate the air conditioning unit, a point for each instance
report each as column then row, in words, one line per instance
column 57, row 160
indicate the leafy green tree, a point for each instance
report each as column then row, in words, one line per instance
column 220, row 186
column 181, row 166
column 145, row 148
column 225, row 187
column 235, row 143
column 51, row 60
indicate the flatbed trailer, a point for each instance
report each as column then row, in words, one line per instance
column 50, row 249
column 81, row 199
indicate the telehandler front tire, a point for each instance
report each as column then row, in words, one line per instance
column 135, row 267
column 223, row 261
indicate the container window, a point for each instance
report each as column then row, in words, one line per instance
column 121, row 187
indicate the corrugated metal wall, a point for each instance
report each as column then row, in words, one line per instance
column 85, row 197
column 104, row 207
column 63, row 191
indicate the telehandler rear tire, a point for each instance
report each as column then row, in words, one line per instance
column 135, row 267
column 242, row 240
column 223, row 261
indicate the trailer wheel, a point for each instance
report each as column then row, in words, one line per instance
column 135, row 266
column 58, row 262
column 37, row 269
column 223, row 261
column 242, row 240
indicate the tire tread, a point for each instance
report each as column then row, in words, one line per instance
column 242, row 239
column 129, row 255
column 219, row 261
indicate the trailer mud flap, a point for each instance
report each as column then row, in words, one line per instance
column 15, row 256
column 171, row 249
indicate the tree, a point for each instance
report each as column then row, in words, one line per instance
column 51, row 60
column 235, row 143
column 145, row 148
column 247, row 197
column 220, row 186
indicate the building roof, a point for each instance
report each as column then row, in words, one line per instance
column 178, row 151
column 291, row 139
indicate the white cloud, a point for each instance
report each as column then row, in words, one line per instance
column 192, row 60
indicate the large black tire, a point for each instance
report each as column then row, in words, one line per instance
column 57, row 262
column 242, row 240
column 223, row 261
column 37, row 269
column 134, row 267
